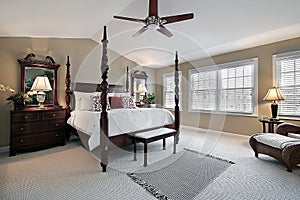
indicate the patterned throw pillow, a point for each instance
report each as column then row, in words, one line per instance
column 96, row 102
column 128, row 102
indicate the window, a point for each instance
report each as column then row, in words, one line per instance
column 287, row 75
column 228, row 87
column 169, row 90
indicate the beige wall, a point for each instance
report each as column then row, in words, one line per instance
column 245, row 125
column 85, row 58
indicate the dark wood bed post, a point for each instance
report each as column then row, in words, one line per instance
column 127, row 80
column 68, row 97
column 103, row 88
column 176, row 79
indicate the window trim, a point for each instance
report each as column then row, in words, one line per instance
column 278, row 57
column 217, row 67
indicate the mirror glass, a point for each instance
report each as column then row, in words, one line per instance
column 138, row 78
column 30, row 74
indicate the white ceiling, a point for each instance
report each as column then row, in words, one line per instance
column 219, row 26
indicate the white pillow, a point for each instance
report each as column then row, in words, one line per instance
column 294, row 135
column 83, row 100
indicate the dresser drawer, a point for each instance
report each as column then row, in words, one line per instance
column 54, row 115
column 25, row 117
column 19, row 129
column 40, row 139
column 33, row 129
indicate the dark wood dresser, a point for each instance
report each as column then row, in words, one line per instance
column 32, row 129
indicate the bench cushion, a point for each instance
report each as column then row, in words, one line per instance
column 154, row 133
column 275, row 140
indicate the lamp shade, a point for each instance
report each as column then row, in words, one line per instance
column 142, row 88
column 273, row 94
column 41, row 83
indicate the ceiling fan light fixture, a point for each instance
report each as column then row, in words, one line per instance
column 153, row 26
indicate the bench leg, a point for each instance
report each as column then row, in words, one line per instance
column 164, row 144
column 174, row 148
column 145, row 154
column 134, row 148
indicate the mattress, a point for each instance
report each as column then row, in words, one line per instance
column 120, row 121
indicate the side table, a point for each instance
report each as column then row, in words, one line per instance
column 271, row 124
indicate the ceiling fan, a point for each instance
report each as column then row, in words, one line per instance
column 154, row 22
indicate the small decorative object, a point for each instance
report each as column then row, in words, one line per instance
column 150, row 98
column 18, row 99
column 40, row 85
column 274, row 94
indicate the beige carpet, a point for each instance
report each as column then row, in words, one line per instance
column 70, row 172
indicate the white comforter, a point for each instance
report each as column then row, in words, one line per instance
column 120, row 121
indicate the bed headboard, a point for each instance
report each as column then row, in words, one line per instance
column 91, row 87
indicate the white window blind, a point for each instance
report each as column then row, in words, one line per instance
column 288, row 80
column 169, row 90
column 203, row 86
column 228, row 87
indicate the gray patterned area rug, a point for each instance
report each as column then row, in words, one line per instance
column 181, row 178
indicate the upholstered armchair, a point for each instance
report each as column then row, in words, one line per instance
column 284, row 146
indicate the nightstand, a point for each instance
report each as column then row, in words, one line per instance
column 32, row 129
column 271, row 124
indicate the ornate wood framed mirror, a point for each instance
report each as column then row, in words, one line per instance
column 31, row 68
column 138, row 78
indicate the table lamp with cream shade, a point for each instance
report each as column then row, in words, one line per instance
column 274, row 94
column 141, row 90
column 40, row 85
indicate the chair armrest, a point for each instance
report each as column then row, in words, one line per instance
column 285, row 128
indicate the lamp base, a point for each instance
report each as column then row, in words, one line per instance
column 41, row 106
column 274, row 108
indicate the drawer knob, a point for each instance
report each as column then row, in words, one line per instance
column 56, row 135
column 21, row 140
column 53, row 115
column 26, row 117
column 21, row 129
column 56, row 125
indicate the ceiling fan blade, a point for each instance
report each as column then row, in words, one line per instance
column 162, row 29
column 177, row 18
column 142, row 30
column 130, row 19
column 153, row 8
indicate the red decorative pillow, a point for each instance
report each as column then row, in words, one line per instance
column 115, row 102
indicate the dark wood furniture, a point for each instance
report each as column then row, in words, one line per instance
column 271, row 124
column 152, row 136
column 31, row 68
column 105, row 140
column 33, row 129
column 289, row 155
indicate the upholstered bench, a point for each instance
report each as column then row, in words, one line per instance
column 151, row 136
column 283, row 148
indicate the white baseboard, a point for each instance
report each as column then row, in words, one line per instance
column 4, row 149
column 192, row 128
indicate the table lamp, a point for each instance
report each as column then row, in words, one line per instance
column 142, row 90
column 40, row 85
column 274, row 94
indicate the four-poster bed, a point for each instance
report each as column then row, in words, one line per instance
column 112, row 119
